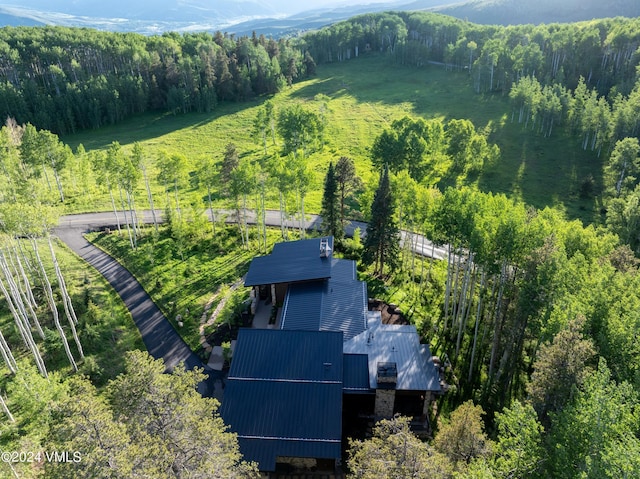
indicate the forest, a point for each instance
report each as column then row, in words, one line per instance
column 536, row 314
column 65, row 79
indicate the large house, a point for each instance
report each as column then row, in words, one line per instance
column 326, row 357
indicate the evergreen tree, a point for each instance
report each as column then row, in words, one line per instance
column 331, row 224
column 382, row 245
column 148, row 424
column 462, row 438
column 394, row 452
column 347, row 181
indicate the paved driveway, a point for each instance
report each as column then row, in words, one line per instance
column 158, row 334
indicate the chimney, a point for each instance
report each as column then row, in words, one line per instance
column 325, row 249
column 386, row 391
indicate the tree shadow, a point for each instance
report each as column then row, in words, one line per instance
column 151, row 125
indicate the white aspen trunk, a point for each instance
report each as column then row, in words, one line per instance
column 447, row 288
column 403, row 251
column 175, row 190
column 433, row 249
column 258, row 219
column 66, row 299
column 150, row 198
column 115, row 210
column 46, row 176
column 17, row 296
column 264, row 216
column 497, row 320
column 59, row 184
column 25, row 279
column 213, row 217
column 6, row 409
column 621, row 179
column 454, row 296
column 469, row 302
column 126, row 219
column 303, row 230
column 24, row 292
column 461, row 310
column 475, row 332
column 413, row 254
column 281, row 217
column 7, row 356
column 52, row 306
column 244, row 220
column 24, row 328
column 491, row 84
column 132, row 214
column 421, row 262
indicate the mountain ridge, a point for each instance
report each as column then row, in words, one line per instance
column 242, row 17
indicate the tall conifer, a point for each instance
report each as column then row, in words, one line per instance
column 382, row 245
column 331, row 224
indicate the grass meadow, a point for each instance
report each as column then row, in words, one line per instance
column 365, row 96
column 182, row 277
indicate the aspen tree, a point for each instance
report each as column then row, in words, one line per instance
column 52, row 305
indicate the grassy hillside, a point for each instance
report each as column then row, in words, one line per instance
column 510, row 12
column 365, row 95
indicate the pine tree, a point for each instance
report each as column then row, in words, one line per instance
column 347, row 182
column 382, row 244
column 330, row 206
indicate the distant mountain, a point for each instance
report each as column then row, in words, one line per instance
column 156, row 10
column 510, row 12
column 135, row 15
column 269, row 17
column 320, row 17
column 7, row 18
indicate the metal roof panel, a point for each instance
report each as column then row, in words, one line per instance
column 290, row 262
column 355, row 373
column 292, row 355
column 398, row 344
column 283, row 396
column 336, row 304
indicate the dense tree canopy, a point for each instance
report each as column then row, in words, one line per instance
column 64, row 79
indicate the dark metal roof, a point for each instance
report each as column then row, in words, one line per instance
column 290, row 355
column 265, row 453
column 283, row 396
column 343, row 269
column 356, row 374
column 284, row 419
column 290, row 262
column 344, row 308
column 337, row 304
column 302, row 309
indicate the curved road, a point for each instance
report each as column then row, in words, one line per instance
column 159, row 336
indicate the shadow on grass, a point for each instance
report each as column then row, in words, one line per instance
column 153, row 125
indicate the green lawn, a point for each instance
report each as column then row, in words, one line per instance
column 366, row 94
column 183, row 283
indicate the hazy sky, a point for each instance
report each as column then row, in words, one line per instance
column 289, row 6
column 86, row 7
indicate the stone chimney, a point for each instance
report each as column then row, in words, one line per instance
column 386, row 391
